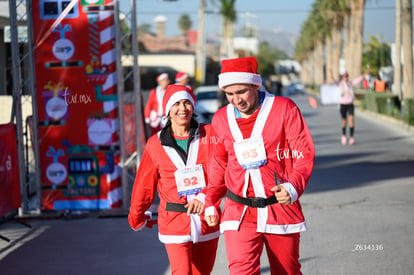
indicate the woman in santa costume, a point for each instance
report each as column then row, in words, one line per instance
column 174, row 162
column 153, row 111
column 263, row 161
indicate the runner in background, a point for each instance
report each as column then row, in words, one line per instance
column 346, row 104
column 153, row 109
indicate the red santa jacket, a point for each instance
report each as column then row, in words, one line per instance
column 153, row 111
column 289, row 152
column 156, row 171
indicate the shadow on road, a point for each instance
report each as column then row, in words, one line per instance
column 335, row 172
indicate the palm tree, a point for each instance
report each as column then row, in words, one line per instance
column 356, row 26
column 310, row 46
column 228, row 17
column 335, row 13
column 185, row 24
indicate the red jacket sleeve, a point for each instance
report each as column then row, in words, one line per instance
column 143, row 192
column 217, row 169
column 301, row 143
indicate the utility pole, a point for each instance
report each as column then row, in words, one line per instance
column 397, row 55
column 201, row 51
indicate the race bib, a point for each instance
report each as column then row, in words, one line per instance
column 250, row 152
column 190, row 180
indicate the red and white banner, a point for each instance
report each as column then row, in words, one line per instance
column 77, row 104
column 9, row 170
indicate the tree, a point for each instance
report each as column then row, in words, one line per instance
column 356, row 27
column 145, row 28
column 267, row 58
column 185, row 24
column 407, row 41
column 335, row 12
column 376, row 54
column 228, row 18
column 126, row 37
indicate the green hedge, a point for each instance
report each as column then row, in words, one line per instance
column 390, row 105
column 382, row 103
column 409, row 111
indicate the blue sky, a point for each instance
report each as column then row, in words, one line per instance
column 270, row 14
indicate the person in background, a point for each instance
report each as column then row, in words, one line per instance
column 182, row 78
column 263, row 160
column 346, row 104
column 175, row 162
column 153, row 112
column 278, row 86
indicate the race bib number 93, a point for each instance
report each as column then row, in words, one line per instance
column 250, row 152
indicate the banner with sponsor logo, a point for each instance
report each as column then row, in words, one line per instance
column 9, row 170
column 77, row 104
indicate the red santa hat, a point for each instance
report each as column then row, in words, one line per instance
column 180, row 76
column 162, row 77
column 175, row 93
column 239, row 71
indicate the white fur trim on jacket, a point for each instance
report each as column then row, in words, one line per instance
column 269, row 228
column 186, row 238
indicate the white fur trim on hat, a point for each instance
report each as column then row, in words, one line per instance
column 177, row 96
column 162, row 77
column 181, row 76
column 230, row 78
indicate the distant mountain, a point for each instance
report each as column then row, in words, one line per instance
column 279, row 39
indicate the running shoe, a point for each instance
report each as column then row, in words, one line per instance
column 343, row 140
column 351, row 141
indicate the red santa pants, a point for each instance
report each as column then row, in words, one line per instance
column 245, row 246
column 192, row 258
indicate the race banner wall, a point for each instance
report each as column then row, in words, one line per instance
column 9, row 170
column 77, row 104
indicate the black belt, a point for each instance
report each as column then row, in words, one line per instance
column 175, row 207
column 252, row 202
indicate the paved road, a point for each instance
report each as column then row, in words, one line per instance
column 358, row 205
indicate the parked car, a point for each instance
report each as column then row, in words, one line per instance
column 207, row 103
column 295, row 88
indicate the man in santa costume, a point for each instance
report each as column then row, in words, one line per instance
column 175, row 162
column 262, row 160
column 153, row 112
column 182, row 78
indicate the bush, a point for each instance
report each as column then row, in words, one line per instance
column 409, row 111
column 382, row 103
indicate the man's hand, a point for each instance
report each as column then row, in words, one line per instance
column 212, row 220
column 194, row 207
column 281, row 194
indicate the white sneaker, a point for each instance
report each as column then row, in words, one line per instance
column 351, row 141
column 343, row 140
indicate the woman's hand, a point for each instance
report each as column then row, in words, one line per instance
column 194, row 207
